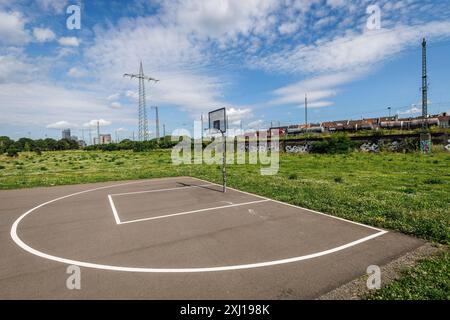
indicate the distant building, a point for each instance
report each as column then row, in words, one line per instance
column 66, row 134
column 82, row 143
column 104, row 139
column 444, row 120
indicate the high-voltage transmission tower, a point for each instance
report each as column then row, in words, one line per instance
column 424, row 83
column 143, row 121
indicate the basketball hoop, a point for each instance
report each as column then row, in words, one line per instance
column 218, row 123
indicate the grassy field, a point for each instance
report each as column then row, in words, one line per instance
column 428, row 280
column 409, row 193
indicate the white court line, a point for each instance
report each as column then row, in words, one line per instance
column 298, row 207
column 41, row 254
column 194, row 211
column 113, row 207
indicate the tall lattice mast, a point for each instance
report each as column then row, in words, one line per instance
column 143, row 121
column 424, row 83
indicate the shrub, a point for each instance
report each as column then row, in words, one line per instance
column 12, row 152
column 338, row 180
column 293, row 176
column 433, row 181
column 336, row 144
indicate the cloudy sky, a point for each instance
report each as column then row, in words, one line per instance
column 258, row 58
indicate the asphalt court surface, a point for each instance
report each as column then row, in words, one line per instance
column 179, row 238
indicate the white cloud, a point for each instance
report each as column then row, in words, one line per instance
column 99, row 122
column 69, row 41
column 236, row 115
column 320, row 104
column 336, row 3
column 352, row 51
column 43, row 34
column 317, row 89
column 57, row 6
column 75, row 72
column 43, row 103
column 342, row 60
column 61, row 125
column 13, row 68
column 115, row 105
column 12, row 29
column 221, row 19
column 413, row 110
column 132, row 94
column 113, row 97
column 178, row 52
column 192, row 93
column 188, row 44
column 257, row 124
column 288, row 28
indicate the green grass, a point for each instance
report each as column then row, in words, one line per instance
column 428, row 280
column 409, row 193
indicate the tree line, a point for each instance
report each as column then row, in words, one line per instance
column 136, row 146
column 12, row 148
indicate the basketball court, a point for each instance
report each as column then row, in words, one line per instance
column 179, row 238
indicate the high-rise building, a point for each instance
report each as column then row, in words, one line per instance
column 104, row 139
column 66, row 134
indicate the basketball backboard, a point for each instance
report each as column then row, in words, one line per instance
column 218, row 120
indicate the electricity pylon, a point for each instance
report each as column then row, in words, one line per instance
column 424, row 83
column 143, row 121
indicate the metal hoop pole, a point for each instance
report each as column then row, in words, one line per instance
column 224, row 163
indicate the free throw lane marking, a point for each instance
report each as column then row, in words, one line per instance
column 38, row 253
column 113, row 208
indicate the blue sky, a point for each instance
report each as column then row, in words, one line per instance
column 258, row 58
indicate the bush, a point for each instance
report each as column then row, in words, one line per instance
column 336, row 144
column 433, row 181
column 293, row 176
column 338, row 180
column 12, row 152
